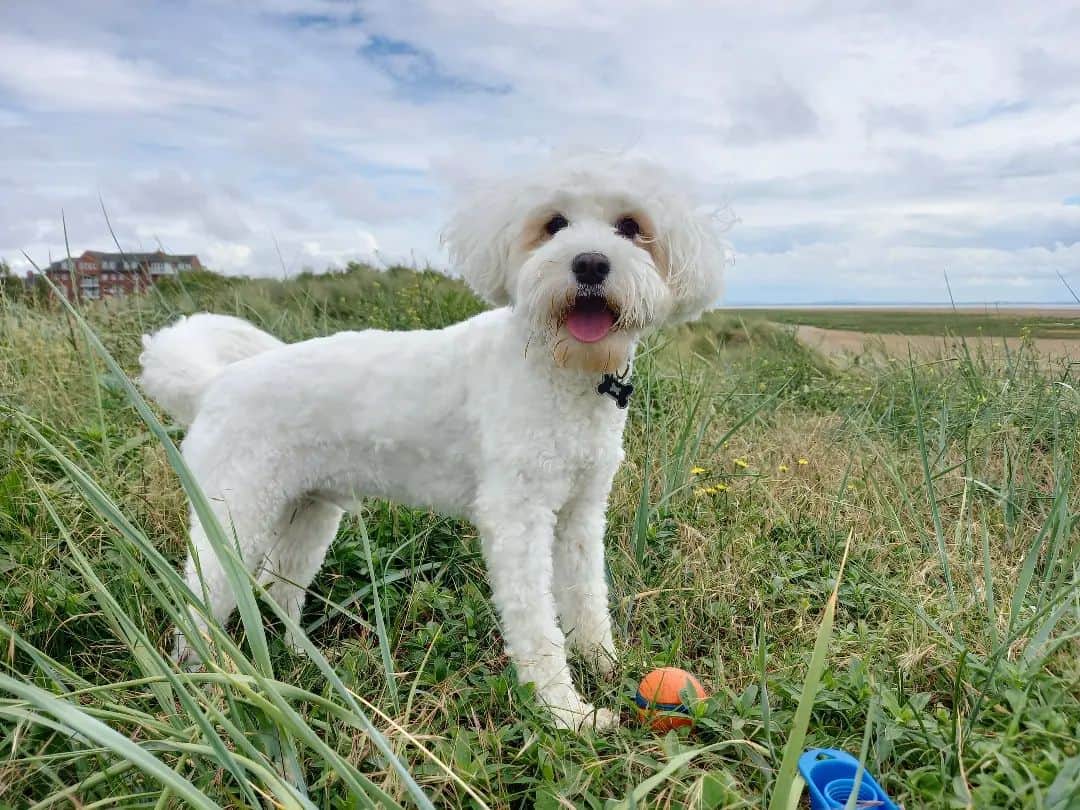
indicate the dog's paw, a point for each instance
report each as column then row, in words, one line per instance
column 604, row 720
column 292, row 641
column 185, row 656
column 584, row 718
column 600, row 655
column 604, row 661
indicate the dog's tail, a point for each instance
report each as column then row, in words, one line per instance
column 180, row 361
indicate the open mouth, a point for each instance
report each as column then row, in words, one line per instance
column 590, row 318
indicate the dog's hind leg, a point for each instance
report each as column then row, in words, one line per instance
column 206, row 577
column 250, row 527
column 283, row 547
column 305, row 533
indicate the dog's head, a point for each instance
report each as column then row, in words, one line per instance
column 593, row 252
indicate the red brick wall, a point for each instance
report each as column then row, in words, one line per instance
column 112, row 282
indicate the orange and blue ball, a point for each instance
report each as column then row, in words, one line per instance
column 659, row 698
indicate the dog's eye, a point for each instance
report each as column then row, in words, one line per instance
column 556, row 224
column 628, row 227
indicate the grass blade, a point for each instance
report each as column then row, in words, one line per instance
column 380, row 623
column 931, row 496
column 785, row 783
column 642, row 790
column 78, row 722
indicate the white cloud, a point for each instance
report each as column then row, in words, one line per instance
column 864, row 147
column 72, row 76
column 217, row 254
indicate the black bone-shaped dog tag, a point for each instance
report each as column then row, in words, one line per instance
column 619, row 391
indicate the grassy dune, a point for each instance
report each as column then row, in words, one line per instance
column 952, row 661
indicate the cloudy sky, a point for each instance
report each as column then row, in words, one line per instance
column 866, row 148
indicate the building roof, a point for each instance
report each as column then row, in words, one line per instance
column 157, row 255
column 140, row 258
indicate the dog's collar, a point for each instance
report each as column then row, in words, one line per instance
column 613, row 385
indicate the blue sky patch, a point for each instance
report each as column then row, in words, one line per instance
column 304, row 20
column 417, row 72
column 998, row 109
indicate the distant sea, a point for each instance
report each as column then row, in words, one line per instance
column 965, row 305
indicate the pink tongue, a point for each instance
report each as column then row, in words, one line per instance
column 590, row 325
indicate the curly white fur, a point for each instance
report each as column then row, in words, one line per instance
column 495, row 419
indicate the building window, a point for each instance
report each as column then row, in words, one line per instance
column 90, row 286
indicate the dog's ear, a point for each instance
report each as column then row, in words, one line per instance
column 480, row 238
column 696, row 258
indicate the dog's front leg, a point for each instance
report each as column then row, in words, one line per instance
column 580, row 585
column 517, row 541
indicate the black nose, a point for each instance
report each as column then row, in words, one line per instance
column 590, row 268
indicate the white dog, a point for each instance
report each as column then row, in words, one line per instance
column 497, row 419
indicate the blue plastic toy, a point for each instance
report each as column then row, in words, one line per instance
column 830, row 778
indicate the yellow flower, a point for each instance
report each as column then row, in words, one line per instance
column 711, row 490
column 783, row 468
column 741, row 462
column 697, row 470
column 803, row 462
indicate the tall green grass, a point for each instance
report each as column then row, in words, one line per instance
column 945, row 655
column 271, row 770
